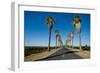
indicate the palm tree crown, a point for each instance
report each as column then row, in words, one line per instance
column 50, row 21
column 57, row 33
column 77, row 23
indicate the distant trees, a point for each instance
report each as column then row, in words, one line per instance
column 67, row 41
column 60, row 41
column 50, row 21
column 70, row 39
column 57, row 35
column 58, row 38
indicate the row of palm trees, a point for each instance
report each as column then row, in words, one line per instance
column 76, row 23
column 58, row 38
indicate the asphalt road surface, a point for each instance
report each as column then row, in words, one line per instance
column 63, row 54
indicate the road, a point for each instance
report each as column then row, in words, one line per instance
column 63, row 54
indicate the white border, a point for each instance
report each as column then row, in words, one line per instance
column 18, row 52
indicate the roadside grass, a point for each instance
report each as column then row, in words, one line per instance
column 28, row 50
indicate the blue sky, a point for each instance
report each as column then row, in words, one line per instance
column 36, row 31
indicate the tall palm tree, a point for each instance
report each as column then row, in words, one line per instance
column 77, row 23
column 71, row 37
column 60, row 41
column 57, row 34
column 58, row 38
column 67, row 41
column 50, row 21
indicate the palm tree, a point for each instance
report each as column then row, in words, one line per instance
column 58, row 38
column 77, row 23
column 60, row 41
column 57, row 34
column 50, row 21
column 71, row 35
column 66, row 43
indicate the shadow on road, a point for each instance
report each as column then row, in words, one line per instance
column 62, row 54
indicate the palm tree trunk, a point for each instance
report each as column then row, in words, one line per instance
column 80, row 41
column 56, row 43
column 72, row 42
column 49, row 40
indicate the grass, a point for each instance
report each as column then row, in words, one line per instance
column 28, row 50
column 84, row 47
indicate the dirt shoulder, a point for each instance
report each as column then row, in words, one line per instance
column 83, row 53
column 42, row 55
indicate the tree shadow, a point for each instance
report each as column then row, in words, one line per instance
column 61, row 54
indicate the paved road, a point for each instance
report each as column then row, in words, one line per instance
column 63, row 54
